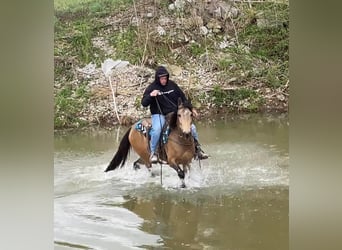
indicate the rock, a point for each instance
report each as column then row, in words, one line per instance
column 163, row 21
column 280, row 97
column 175, row 70
column 89, row 69
column 172, row 7
column 179, row 4
column 233, row 12
column 231, row 80
column 213, row 24
column 262, row 23
column 203, row 30
column 136, row 21
column 225, row 11
column 223, row 45
column 217, row 30
column 161, row 31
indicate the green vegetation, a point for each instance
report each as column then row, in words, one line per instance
column 98, row 7
column 256, row 54
column 69, row 101
column 197, row 49
column 267, row 36
column 127, row 45
column 77, row 22
column 237, row 99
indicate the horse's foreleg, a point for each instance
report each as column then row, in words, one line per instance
column 180, row 173
column 136, row 164
column 186, row 169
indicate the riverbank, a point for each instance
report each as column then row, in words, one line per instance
column 227, row 57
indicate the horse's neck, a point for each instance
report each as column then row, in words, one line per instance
column 178, row 135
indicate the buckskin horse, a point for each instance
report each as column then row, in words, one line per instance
column 179, row 148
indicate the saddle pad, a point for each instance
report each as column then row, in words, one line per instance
column 144, row 126
column 165, row 134
column 141, row 127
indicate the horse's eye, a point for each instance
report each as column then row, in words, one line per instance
column 179, row 115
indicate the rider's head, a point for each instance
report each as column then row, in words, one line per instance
column 162, row 75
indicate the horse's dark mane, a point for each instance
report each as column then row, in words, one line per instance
column 187, row 106
column 173, row 119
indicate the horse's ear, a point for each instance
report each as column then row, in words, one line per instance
column 180, row 101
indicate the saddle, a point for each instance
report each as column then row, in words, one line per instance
column 144, row 126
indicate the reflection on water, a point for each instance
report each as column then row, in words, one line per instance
column 249, row 219
column 238, row 199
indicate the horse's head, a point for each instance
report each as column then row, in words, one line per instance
column 184, row 118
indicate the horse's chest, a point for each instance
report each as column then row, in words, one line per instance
column 182, row 152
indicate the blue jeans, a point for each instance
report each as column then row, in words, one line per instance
column 158, row 122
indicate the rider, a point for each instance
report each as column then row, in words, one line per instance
column 162, row 95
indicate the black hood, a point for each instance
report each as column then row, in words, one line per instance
column 161, row 71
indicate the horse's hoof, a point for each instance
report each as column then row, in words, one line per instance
column 136, row 167
column 183, row 185
column 181, row 174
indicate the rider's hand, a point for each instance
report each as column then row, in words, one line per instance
column 194, row 113
column 154, row 92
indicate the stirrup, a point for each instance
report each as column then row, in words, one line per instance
column 202, row 156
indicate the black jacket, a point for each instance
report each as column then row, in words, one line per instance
column 168, row 97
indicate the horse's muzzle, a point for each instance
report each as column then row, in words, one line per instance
column 187, row 135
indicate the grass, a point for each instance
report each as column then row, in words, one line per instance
column 92, row 6
column 127, row 45
column 197, row 49
column 69, row 101
column 63, row 5
column 237, row 99
column 269, row 41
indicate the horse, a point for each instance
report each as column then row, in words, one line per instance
column 179, row 149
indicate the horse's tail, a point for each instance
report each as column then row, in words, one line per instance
column 122, row 153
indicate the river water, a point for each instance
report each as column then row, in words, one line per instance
column 237, row 199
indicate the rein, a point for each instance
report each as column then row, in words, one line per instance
column 160, row 140
column 158, row 105
column 168, row 99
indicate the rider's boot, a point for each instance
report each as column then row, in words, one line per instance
column 199, row 153
column 153, row 157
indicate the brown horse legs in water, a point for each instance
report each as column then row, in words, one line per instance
column 181, row 174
